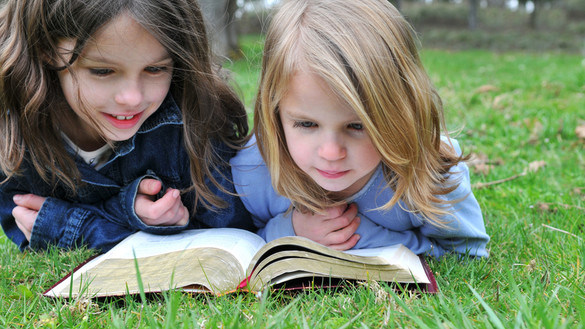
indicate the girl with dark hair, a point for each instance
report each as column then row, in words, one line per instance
column 115, row 120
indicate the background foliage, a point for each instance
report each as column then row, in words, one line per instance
column 500, row 25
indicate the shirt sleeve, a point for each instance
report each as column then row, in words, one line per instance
column 69, row 225
column 8, row 223
column 374, row 235
column 465, row 231
column 120, row 209
column 252, row 182
column 62, row 224
column 277, row 227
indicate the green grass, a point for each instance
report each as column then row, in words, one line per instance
column 535, row 277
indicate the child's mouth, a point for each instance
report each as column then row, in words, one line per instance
column 332, row 174
column 122, row 117
column 124, row 121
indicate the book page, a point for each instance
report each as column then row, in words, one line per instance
column 385, row 252
column 219, row 256
column 242, row 244
column 306, row 258
column 396, row 254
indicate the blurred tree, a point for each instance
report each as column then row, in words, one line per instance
column 219, row 18
column 496, row 3
column 536, row 8
column 575, row 9
column 472, row 18
column 254, row 15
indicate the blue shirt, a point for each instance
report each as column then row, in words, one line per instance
column 102, row 212
column 464, row 234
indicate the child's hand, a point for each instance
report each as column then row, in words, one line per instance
column 168, row 210
column 335, row 229
column 26, row 211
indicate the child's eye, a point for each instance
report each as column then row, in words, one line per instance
column 355, row 126
column 101, row 72
column 304, row 124
column 156, row 69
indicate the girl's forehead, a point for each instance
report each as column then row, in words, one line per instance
column 121, row 26
column 134, row 48
column 118, row 26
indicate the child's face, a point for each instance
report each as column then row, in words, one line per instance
column 325, row 137
column 123, row 76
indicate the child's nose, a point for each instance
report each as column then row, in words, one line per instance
column 130, row 94
column 332, row 149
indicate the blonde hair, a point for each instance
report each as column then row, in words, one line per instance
column 32, row 102
column 367, row 53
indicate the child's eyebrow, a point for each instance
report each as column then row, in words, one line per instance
column 98, row 59
column 291, row 114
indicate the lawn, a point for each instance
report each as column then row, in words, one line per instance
column 522, row 118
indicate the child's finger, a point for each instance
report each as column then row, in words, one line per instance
column 25, row 219
column 177, row 213
column 158, row 208
column 169, row 210
column 334, row 212
column 27, row 232
column 149, row 186
column 178, row 216
column 351, row 210
column 343, row 220
column 30, row 201
column 343, row 234
column 350, row 243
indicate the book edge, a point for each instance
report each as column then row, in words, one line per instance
column 431, row 287
column 68, row 276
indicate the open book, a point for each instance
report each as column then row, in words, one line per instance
column 223, row 260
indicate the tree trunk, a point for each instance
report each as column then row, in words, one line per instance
column 472, row 19
column 221, row 27
column 496, row 4
column 532, row 19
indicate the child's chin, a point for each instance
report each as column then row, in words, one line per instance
column 330, row 187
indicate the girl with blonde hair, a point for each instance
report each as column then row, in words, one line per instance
column 351, row 148
column 114, row 120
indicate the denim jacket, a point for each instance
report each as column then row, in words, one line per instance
column 102, row 212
